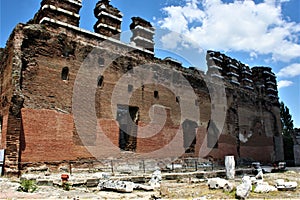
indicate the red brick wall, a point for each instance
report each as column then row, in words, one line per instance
column 4, row 132
column 48, row 136
column 262, row 154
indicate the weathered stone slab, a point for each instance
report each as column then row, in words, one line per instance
column 230, row 167
column 264, row 188
column 144, row 187
column 92, row 182
column 118, row 186
column 44, row 182
column 281, row 185
column 217, row 183
column 156, row 178
column 77, row 181
column 243, row 190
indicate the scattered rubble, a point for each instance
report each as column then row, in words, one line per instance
column 220, row 183
column 243, row 190
column 155, row 179
column 281, row 185
column 132, row 187
column 264, row 187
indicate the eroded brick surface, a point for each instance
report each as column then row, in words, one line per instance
column 39, row 67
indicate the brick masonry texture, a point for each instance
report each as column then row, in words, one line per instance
column 38, row 122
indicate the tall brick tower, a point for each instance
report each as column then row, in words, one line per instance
column 142, row 33
column 65, row 11
column 109, row 19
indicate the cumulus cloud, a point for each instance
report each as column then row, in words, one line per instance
column 290, row 71
column 284, row 83
column 257, row 28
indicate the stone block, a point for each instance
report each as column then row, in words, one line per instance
column 77, row 181
column 44, row 182
column 92, row 182
column 155, row 179
column 264, row 188
column 243, row 190
column 281, row 185
column 217, row 183
column 118, row 186
column 144, row 187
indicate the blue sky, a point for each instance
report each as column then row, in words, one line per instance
column 258, row 33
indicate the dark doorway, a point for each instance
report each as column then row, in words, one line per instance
column 65, row 74
column 189, row 135
column 212, row 135
column 128, row 117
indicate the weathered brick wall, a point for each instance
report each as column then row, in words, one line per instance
column 48, row 130
column 14, row 129
column 4, row 132
column 49, row 136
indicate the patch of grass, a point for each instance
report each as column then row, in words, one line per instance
column 27, row 186
column 231, row 194
column 66, row 186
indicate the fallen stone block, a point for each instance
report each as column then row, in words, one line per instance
column 156, row 178
column 92, row 182
column 264, row 188
column 77, row 181
column 118, row 186
column 44, row 182
column 144, row 187
column 228, row 187
column 216, row 183
column 243, row 190
column 281, row 185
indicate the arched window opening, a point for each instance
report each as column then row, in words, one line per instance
column 100, row 81
column 130, row 69
column 156, row 94
column 212, row 135
column 65, row 74
column 178, row 99
column 128, row 117
column 130, row 88
column 101, row 61
column 189, row 135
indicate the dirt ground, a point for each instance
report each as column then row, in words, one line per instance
column 170, row 189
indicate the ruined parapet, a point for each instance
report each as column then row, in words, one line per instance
column 233, row 70
column 265, row 82
column 214, row 62
column 65, row 11
column 223, row 67
column 238, row 74
column 142, row 33
column 246, row 77
column 109, row 19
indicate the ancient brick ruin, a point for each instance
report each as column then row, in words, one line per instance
column 39, row 67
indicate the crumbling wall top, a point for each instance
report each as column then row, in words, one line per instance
column 136, row 21
column 104, row 5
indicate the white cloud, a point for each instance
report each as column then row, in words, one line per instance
column 239, row 26
column 290, row 71
column 284, row 83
